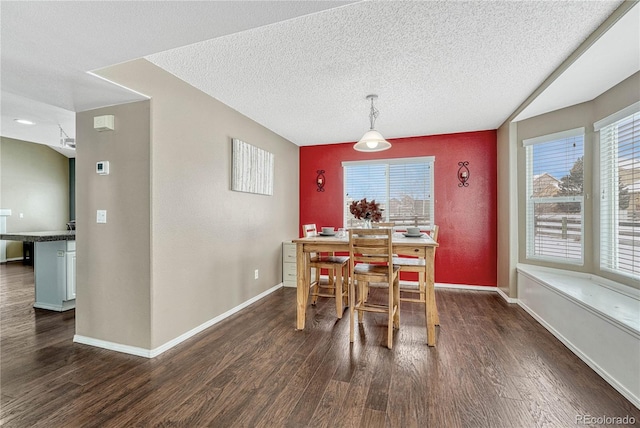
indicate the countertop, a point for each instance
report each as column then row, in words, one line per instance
column 54, row 235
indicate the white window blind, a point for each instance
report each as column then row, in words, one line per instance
column 403, row 187
column 555, row 196
column 620, row 196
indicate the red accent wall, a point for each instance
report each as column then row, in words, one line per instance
column 467, row 216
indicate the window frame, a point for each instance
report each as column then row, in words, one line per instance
column 531, row 201
column 393, row 161
column 609, row 232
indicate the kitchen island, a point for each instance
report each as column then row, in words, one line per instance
column 54, row 267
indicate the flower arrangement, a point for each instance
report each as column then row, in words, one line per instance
column 363, row 210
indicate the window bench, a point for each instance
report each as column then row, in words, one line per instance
column 597, row 319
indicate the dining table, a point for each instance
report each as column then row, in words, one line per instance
column 421, row 247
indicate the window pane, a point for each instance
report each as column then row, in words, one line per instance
column 558, row 230
column 620, row 198
column 410, row 194
column 403, row 188
column 365, row 181
column 555, row 188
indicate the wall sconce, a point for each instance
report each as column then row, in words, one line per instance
column 463, row 174
column 320, row 180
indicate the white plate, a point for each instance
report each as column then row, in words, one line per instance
column 327, row 234
column 413, row 236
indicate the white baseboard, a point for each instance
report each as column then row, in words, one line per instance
column 151, row 353
column 456, row 286
column 505, row 297
column 65, row 306
column 600, row 338
column 466, row 287
column 112, row 346
column 584, row 357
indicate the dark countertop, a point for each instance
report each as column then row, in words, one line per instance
column 55, row 235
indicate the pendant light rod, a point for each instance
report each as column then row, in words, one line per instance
column 373, row 114
column 372, row 140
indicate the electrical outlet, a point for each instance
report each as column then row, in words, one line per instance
column 255, row 274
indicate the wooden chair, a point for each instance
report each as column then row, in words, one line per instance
column 412, row 293
column 372, row 249
column 382, row 224
column 337, row 267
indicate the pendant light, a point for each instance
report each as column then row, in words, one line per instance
column 372, row 140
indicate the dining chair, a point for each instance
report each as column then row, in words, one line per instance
column 412, row 292
column 371, row 249
column 384, row 224
column 336, row 266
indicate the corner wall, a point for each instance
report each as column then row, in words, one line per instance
column 113, row 273
column 206, row 240
column 507, row 210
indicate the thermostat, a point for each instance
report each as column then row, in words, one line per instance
column 102, row 167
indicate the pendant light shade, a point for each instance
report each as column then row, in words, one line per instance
column 372, row 140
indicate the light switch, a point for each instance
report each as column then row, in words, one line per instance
column 101, row 216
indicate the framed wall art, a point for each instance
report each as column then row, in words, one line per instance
column 252, row 169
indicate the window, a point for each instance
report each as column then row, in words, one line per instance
column 403, row 187
column 620, row 192
column 555, row 202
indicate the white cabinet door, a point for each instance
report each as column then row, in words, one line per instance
column 71, row 275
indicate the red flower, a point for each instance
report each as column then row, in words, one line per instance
column 366, row 210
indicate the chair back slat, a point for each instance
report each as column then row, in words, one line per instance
column 372, row 246
column 383, row 224
column 434, row 232
column 309, row 230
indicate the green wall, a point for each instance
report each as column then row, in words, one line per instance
column 34, row 183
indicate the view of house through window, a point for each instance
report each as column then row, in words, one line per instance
column 555, row 201
column 403, row 187
column 620, row 196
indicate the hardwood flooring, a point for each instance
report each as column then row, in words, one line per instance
column 493, row 366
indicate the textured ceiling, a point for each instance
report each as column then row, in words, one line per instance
column 438, row 67
column 605, row 64
column 300, row 68
column 48, row 48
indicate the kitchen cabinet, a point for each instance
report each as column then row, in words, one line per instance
column 71, row 272
column 54, row 267
column 54, row 272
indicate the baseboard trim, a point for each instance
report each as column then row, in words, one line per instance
column 584, row 357
column 58, row 308
column 151, row 353
column 455, row 286
column 505, row 297
column 490, row 288
column 112, row 346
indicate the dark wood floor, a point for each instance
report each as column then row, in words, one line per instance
column 493, row 366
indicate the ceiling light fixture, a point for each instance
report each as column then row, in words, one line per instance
column 24, row 121
column 65, row 140
column 372, row 140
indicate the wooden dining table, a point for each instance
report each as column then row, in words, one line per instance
column 421, row 247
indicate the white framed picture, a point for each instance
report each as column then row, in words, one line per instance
column 252, row 169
